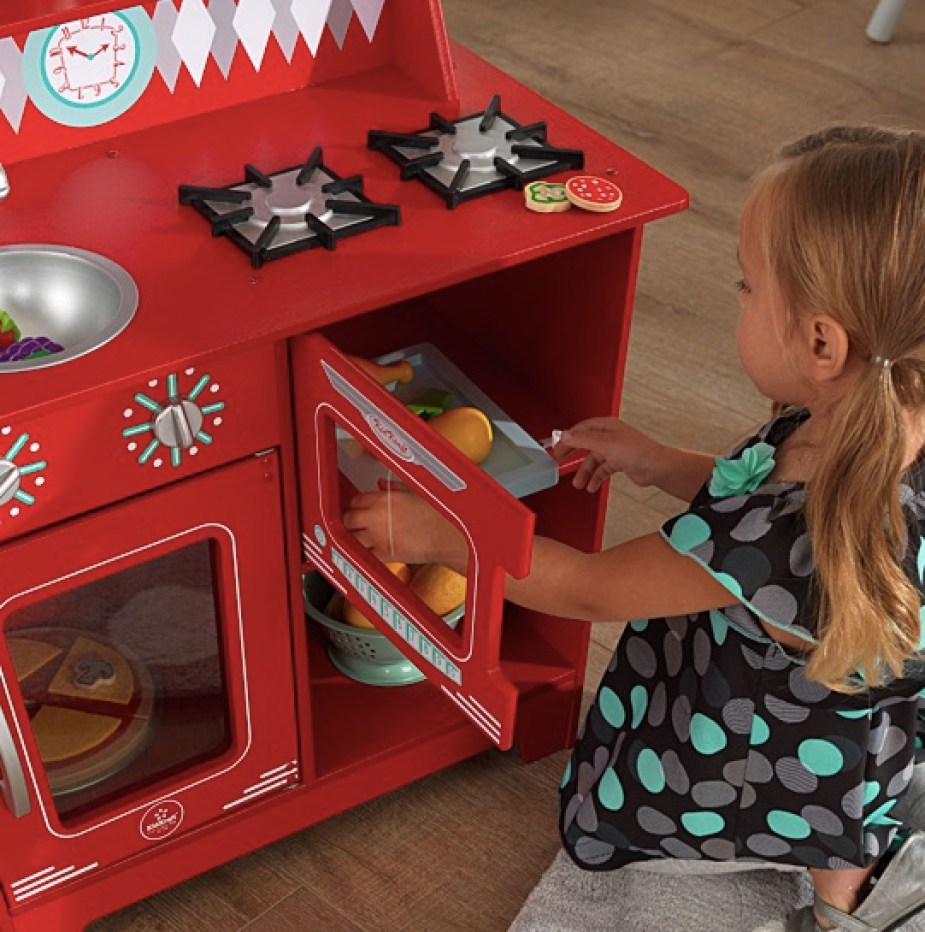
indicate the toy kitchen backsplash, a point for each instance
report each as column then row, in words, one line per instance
column 275, row 242
column 106, row 73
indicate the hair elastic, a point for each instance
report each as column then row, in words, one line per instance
column 881, row 361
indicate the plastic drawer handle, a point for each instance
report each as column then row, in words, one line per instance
column 13, row 785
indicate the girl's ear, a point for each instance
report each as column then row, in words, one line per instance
column 828, row 347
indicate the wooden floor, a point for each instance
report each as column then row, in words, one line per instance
column 704, row 91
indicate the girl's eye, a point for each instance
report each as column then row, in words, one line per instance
column 742, row 287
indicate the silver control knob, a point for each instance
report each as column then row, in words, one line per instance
column 9, row 480
column 178, row 423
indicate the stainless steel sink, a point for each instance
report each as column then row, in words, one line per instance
column 76, row 298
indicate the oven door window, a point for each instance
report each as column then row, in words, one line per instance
column 122, row 678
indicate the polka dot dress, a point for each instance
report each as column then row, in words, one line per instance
column 707, row 741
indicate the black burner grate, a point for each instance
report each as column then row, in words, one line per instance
column 475, row 155
column 299, row 208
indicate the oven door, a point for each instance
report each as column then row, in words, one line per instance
column 336, row 402
column 146, row 680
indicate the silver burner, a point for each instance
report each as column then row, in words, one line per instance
column 480, row 148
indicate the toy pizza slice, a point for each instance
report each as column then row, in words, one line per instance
column 93, row 670
column 545, row 197
column 29, row 655
column 592, row 193
column 65, row 733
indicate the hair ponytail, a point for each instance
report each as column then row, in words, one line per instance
column 868, row 608
column 843, row 223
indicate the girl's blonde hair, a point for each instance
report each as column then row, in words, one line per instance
column 842, row 216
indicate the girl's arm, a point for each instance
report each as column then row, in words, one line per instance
column 614, row 446
column 641, row 578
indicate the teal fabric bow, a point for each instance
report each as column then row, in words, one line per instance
column 744, row 473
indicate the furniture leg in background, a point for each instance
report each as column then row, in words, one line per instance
column 884, row 19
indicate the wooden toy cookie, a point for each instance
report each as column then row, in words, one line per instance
column 592, row 193
column 545, row 197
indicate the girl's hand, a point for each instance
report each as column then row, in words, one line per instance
column 398, row 525
column 612, row 447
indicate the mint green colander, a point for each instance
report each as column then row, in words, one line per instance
column 363, row 654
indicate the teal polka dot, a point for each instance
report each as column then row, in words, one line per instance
column 639, row 624
column 879, row 816
column 871, row 791
column 853, row 713
column 730, row 582
column 706, row 736
column 788, row 824
column 650, row 771
column 703, row 823
column 568, row 773
column 720, row 626
column 820, row 756
column 639, row 700
column 611, row 707
column 760, row 731
column 920, row 560
column 610, row 790
column 689, row 531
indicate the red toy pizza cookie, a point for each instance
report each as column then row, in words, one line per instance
column 545, row 197
column 592, row 193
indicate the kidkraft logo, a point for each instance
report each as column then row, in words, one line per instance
column 389, row 434
column 161, row 820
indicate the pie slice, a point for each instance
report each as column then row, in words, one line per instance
column 63, row 734
column 29, row 655
column 93, row 670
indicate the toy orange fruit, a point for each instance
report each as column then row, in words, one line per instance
column 468, row 429
column 439, row 587
column 592, row 193
column 353, row 616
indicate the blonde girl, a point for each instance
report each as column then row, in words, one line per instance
column 762, row 705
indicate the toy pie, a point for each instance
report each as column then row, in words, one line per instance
column 592, row 193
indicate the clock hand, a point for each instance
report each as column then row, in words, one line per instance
column 76, row 51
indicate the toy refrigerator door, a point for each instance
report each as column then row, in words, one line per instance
column 145, row 674
column 334, row 397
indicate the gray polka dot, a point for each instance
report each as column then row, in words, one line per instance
column 801, row 557
column 758, row 768
column 676, row 777
column 678, row 849
column 770, row 846
column 811, row 856
column 673, row 653
column 711, row 794
column 775, row 602
column 734, row 772
column 641, row 657
column 823, row 820
column 806, row 690
column 749, row 797
column 727, row 505
column 658, row 706
column 703, row 647
column 586, row 817
column 651, row 820
column 592, row 851
column 753, row 659
column 786, row 711
column 742, row 618
column 749, row 566
column 587, row 776
column 737, row 716
column 871, row 845
column 678, row 625
column 900, row 780
column 704, row 551
column 753, row 525
column 571, row 810
column 877, row 735
column 776, row 659
column 681, row 718
column 838, row 864
column 795, row 776
column 852, row 803
column 894, row 742
column 719, row 849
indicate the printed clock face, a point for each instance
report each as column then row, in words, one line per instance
column 90, row 70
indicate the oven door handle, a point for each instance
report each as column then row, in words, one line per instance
column 13, row 785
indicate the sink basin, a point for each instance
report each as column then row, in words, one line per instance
column 76, row 298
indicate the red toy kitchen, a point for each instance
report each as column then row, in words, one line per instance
column 253, row 254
